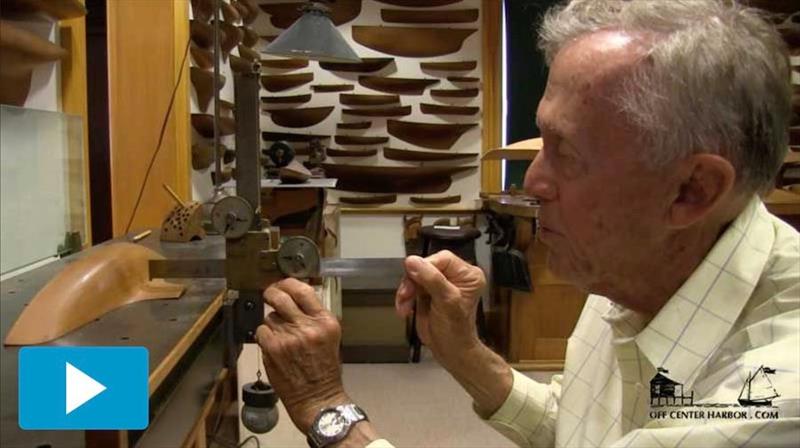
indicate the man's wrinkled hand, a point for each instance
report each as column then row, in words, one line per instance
column 445, row 290
column 300, row 343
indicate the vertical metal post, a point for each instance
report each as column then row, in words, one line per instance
column 217, row 57
column 248, row 141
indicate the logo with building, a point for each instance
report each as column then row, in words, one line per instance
column 754, row 400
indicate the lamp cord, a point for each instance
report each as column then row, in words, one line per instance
column 160, row 137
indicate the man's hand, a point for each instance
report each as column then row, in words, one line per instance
column 300, row 343
column 446, row 290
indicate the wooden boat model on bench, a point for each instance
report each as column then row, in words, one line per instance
column 392, row 179
column 415, row 42
column 428, row 135
column 106, row 278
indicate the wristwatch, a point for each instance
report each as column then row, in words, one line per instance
column 333, row 424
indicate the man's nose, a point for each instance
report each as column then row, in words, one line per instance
column 538, row 183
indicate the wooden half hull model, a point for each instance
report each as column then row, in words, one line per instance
column 428, row 135
column 249, row 54
column 453, row 66
column 108, row 277
column 203, row 82
column 414, row 42
column 184, row 224
column 403, row 86
column 354, row 125
column 233, row 37
column 435, row 16
column 431, row 200
column 392, row 179
column 291, row 137
column 439, row 109
column 395, row 111
column 248, row 9
column 334, row 152
column 283, row 15
column 204, row 125
column 365, row 66
column 278, row 83
column 243, row 66
column 300, row 118
column 229, row 13
column 455, row 93
column 202, row 34
column 289, row 99
column 203, row 10
column 419, row 3
column 360, row 140
column 202, row 58
column 20, row 52
column 322, row 88
column 249, row 38
column 356, row 99
column 284, row 64
column 406, row 155
column 369, row 200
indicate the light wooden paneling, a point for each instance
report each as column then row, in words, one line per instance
column 492, row 92
column 72, row 34
column 146, row 40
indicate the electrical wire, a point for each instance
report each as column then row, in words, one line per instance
column 160, row 136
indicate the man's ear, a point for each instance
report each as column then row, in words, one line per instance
column 708, row 178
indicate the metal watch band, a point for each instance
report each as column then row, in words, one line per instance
column 352, row 415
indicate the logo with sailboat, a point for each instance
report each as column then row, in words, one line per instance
column 754, row 401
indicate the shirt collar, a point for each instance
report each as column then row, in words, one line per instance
column 698, row 317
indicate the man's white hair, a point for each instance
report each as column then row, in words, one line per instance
column 716, row 79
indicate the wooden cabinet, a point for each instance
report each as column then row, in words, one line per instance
column 531, row 328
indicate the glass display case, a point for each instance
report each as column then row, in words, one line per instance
column 42, row 188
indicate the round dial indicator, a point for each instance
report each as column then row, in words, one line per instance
column 232, row 216
column 298, row 257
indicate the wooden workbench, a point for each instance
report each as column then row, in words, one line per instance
column 185, row 351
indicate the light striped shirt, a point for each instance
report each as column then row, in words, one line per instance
column 731, row 331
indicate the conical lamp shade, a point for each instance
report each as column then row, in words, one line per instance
column 313, row 36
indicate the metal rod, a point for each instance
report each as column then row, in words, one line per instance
column 217, row 57
column 174, row 195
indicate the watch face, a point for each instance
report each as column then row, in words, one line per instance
column 331, row 423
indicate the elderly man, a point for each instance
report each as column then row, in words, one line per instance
column 662, row 122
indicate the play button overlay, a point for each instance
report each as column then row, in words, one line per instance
column 80, row 388
column 83, row 388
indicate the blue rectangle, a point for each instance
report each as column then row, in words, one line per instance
column 123, row 371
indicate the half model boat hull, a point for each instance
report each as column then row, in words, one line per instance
column 392, row 179
column 414, row 42
column 20, row 52
column 301, row 117
column 283, row 15
column 428, row 135
column 109, row 277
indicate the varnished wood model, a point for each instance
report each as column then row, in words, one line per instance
column 392, row 111
column 249, row 54
column 202, row 10
column 229, row 13
column 242, row 65
column 294, row 173
column 232, row 36
column 277, row 83
column 429, row 16
column 407, row 155
column 248, row 9
column 366, row 65
column 202, row 34
column 300, row 117
column 463, row 78
column 452, row 66
column 356, row 99
column 435, row 200
column 203, row 82
column 360, row 140
column 202, row 58
column 20, row 52
column 323, row 88
column 415, row 42
column 441, row 109
column 283, row 15
column 288, row 99
column 335, row 152
column 428, row 135
column 404, row 86
column 249, row 37
column 455, row 93
column 369, row 200
column 284, row 64
column 204, row 125
column 392, row 179
column 108, row 277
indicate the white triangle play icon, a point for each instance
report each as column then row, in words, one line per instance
column 80, row 388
